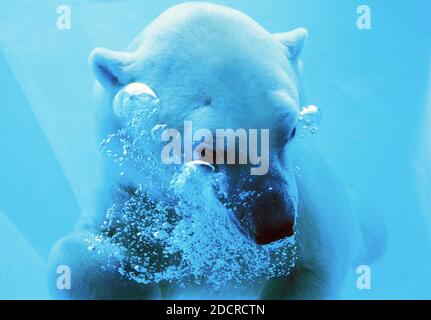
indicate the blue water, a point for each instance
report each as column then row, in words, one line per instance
column 372, row 87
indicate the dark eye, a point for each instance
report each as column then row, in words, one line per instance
column 293, row 134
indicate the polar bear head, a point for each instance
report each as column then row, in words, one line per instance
column 219, row 69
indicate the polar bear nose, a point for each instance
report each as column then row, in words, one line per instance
column 274, row 218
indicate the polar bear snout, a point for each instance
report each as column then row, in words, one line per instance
column 273, row 218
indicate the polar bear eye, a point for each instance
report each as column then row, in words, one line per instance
column 293, row 134
column 204, row 153
column 286, row 136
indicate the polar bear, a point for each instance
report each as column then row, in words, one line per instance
column 217, row 67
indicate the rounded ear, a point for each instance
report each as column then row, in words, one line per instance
column 110, row 67
column 293, row 41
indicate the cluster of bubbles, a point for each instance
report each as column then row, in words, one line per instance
column 309, row 119
column 185, row 235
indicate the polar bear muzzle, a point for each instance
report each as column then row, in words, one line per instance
column 273, row 218
column 269, row 213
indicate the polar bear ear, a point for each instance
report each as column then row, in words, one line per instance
column 293, row 41
column 110, row 67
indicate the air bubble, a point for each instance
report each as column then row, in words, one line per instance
column 160, row 235
column 309, row 118
column 139, row 269
column 157, row 130
column 134, row 95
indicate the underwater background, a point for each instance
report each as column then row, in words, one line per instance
column 373, row 88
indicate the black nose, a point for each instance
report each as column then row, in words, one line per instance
column 274, row 218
